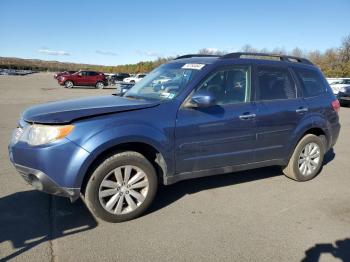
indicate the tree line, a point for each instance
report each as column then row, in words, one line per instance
column 334, row 62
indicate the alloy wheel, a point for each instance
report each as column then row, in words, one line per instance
column 309, row 159
column 123, row 190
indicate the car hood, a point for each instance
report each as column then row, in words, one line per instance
column 66, row 111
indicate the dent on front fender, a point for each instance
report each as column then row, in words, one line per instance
column 111, row 138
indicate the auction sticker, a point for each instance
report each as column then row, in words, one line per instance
column 193, row 66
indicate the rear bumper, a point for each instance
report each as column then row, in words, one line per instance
column 42, row 182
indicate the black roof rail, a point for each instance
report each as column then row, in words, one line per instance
column 285, row 58
column 195, row 55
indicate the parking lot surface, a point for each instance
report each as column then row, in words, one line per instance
column 256, row 215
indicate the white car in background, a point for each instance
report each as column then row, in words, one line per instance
column 340, row 85
column 134, row 79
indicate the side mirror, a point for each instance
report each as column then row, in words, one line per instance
column 203, row 98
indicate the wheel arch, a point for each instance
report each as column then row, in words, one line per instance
column 314, row 130
column 149, row 151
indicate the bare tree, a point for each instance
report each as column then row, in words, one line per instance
column 297, row 52
column 345, row 49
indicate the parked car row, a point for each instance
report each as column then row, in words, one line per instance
column 123, row 81
column 15, row 72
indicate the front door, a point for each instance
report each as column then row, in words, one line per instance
column 221, row 135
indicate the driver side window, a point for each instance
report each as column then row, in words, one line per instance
column 229, row 86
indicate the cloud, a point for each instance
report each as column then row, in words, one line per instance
column 53, row 52
column 149, row 53
column 101, row 52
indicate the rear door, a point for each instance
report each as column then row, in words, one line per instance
column 82, row 78
column 221, row 135
column 92, row 78
column 280, row 108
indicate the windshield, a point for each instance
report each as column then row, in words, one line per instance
column 163, row 83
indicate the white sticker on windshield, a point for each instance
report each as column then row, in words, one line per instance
column 193, row 66
column 165, row 94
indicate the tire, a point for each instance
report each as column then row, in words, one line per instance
column 106, row 204
column 295, row 168
column 99, row 85
column 68, row 84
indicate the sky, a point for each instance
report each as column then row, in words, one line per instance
column 119, row 32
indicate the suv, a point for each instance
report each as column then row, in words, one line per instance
column 217, row 114
column 83, row 78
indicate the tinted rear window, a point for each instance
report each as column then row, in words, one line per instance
column 275, row 83
column 92, row 73
column 310, row 81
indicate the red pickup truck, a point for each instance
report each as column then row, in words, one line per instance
column 83, row 78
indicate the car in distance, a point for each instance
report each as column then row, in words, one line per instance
column 134, row 79
column 63, row 73
column 118, row 77
column 217, row 114
column 341, row 88
column 83, row 78
column 122, row 87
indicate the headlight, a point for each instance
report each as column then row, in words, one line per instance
column 43, row 134
column 342, row 89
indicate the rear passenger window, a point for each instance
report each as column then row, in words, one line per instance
column 311, row 82
column 275, row 83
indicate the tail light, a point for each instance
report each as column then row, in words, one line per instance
column 336, row 105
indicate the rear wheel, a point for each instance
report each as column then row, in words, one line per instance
column 99, row 85
column 122, row 187
column 68, row 84
column 306, row 161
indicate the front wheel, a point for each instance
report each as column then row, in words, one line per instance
column 122, row 187
column 68, row 84
column 307, row 158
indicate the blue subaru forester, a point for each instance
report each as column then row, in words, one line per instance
column 195, row 116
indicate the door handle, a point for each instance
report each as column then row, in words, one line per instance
column 302, row 110
column 247, row 116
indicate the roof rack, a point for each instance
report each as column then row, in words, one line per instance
column 285, row 58
column 195, row 55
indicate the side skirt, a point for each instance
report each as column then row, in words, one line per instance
column 168, row 180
